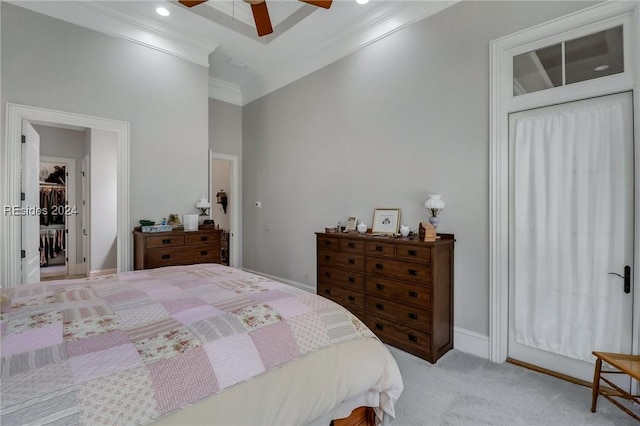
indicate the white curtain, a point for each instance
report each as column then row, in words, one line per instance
column 570, row 203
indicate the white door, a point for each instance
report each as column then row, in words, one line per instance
column 31, row 202
column 570, row 227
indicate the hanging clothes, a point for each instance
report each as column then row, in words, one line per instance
column 52, row 205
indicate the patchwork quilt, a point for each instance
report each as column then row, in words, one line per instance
column 131, row 347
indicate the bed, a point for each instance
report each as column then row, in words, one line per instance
column 199, row 344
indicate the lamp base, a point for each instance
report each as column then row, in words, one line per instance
column 434, row 221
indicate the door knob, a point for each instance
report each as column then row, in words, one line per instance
column 626, row 278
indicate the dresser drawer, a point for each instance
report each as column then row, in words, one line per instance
column 201, row 238
column 347, row 279
column 406, row 338
column 355, row 246
column 380, row 249
column 164, row 241
column 405, row 271
column 400, row 292
column 328, row 242
column 352, row 300
column 350, row 261
column 414, row 253
column 408, row 315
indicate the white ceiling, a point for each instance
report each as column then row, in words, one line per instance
column 305, row 37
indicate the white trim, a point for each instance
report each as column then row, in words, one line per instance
column 10, row 244
column 235, row 200
column 224, row 91
column 471, row 342
column 103, row 272
column 70, row 221
column 502, row 102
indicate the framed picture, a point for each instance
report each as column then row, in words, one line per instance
column 352, row 222
column 386, row 221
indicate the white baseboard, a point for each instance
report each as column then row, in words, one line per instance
column 471, row 342
column 103, row 272
column 464, row 340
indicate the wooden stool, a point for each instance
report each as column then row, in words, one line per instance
column 625, row 364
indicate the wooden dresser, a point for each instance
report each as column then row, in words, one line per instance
column 401, row 288
column 156, row 249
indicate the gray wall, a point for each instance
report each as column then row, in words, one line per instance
column 399, row 119
column 52, row 64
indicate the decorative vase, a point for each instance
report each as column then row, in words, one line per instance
column 362, row 227
column 404, row 230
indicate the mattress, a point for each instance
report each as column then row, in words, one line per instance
column 186, row 345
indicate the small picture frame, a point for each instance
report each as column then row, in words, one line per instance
column 386, row 221
column 352, row 222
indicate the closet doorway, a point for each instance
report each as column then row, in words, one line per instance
column 225, row 205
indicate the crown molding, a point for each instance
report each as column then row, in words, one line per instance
column 371, row 28
column 104, row 18
column 224, row 91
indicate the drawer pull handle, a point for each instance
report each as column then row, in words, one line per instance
column 166, row 241
column 166, row 256
column 380, row 286
column 327, row 291
column 327, row 257
column 352, row 261
column 352, row 245
column 413, row 253
column 204, row 252
column 352, row 280
column 380, row 306
column 413, row 316
column 204, row 238
column 379, row 248
column 379, row 266
column 352, row 298
column 327, row 242
column 413, row 294
column 412, row 337
column 327, row 274
column 413, row 272
column 379, row 326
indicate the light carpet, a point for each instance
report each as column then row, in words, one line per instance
column 462, row 389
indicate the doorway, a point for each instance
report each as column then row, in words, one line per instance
column 571, row 191
column 11, row 226
column 224, row 183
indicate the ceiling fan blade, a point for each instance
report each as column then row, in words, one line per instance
column 261, row 16
column 320, row 3
column 191, row 3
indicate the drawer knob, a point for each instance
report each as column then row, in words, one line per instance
column 327, row 242
column 204, row 252
column 166, row 256
column 352, row 245
column 352, row 298
column 413, row 272
column 413, row 294
column 379, row 248
column 380, row 286
column 413, row 316
column 327, row 257
column 352, row 261
column 204, row 238
column 327, row 291
column 327, row 274
column 413, row 253
column 352, row 280
column 167, row 241
column 380, row 306
column 412, row 337
column 379, row 326
column 379, row 266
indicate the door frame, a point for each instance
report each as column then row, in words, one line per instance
column 235, row 259
column 502, row 102
column 10, row 226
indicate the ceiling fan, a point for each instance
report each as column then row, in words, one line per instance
column 260, row 12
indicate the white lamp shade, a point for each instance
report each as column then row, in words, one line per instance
column 203, row 204
column 434, row 202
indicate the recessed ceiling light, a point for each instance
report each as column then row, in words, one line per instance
column 601, row 68
column 362, row 1
column 162, row 11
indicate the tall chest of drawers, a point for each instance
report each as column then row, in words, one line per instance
column 156, row 249
column 401, row 288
